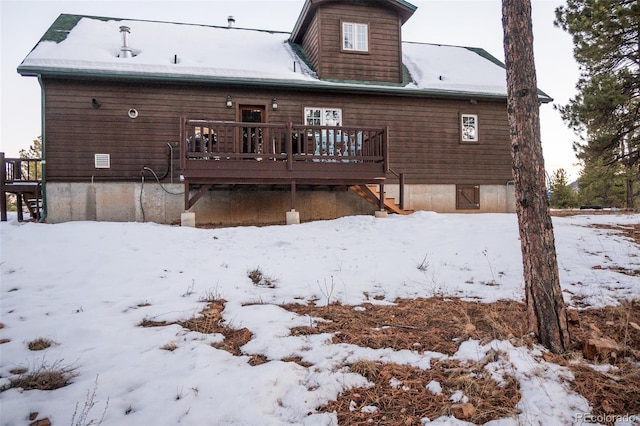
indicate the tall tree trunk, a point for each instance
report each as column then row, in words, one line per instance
column 546, row 312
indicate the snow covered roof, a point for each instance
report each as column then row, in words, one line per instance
column 91, row 46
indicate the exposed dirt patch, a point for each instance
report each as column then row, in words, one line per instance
column 435, row 324
column 442, row 324
column 631, row 231
column 402, row 395
column 590, row 212
column 209, row 322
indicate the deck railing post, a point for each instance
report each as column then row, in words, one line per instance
column 289, row 147
column 401, row 191
column 183, row 142
column 3, row 200
column 385, row 149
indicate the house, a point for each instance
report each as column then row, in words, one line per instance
column 169, row 122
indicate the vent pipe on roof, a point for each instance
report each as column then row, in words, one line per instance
column 125, row 50
column 231, row 21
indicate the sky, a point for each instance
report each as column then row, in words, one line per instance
column 473, row 23
column 92, row 283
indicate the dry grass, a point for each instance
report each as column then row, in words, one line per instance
column 45, row 377
column 40, row 344
column 260, row 279
column 171, row 346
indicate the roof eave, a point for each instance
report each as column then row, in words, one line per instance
column 32, row 71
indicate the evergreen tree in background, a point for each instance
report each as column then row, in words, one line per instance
column 563, row 196
column 602, row 183
column 34, row 152
column 606, row 110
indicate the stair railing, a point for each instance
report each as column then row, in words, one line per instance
column 400, row 177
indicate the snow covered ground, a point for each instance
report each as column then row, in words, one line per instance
column 87, row 285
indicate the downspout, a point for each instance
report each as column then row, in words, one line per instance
column 43, row 214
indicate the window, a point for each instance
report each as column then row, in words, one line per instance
column 469, row 123
column 323, row 116
column 355, row 37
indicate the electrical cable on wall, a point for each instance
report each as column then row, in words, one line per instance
column 161, row 186
column 141, row 205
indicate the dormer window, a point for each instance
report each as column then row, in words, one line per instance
column 355, row 37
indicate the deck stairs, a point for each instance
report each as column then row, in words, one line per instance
column 371, row 193
column 33, row 202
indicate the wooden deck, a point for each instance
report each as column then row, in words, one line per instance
column 22, row 177
column 226, row 152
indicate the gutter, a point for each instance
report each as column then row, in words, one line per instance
column 43, row 214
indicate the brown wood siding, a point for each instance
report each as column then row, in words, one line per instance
column 311, row 43
column 383, row 61
column 424, row 133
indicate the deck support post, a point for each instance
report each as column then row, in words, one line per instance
column 381, row 212
column 292, row 216
column 19, row 207
column 188, row 219
column 186, row 195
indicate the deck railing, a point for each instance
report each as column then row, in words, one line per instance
column 22, row 177
column 22, row 169
column 229, row 141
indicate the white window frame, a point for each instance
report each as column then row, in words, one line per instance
column 469, row 127
column 314, row 116
column 355, row 37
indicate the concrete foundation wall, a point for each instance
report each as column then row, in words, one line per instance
column 134, row 202
column 124, row 202
column 442, row 198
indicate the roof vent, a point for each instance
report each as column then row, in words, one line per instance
column 125, row 50
column 231, row 21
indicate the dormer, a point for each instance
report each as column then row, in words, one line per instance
column 353, row 40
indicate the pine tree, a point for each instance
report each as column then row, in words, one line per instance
column 33, row 170
column 562, row 195
column 546, row 311
column 34, row 151
column 606, row 110
column 602, row 183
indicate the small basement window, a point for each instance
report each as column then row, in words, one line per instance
column 355, row 37
column 469, row 127
column 102, row 161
